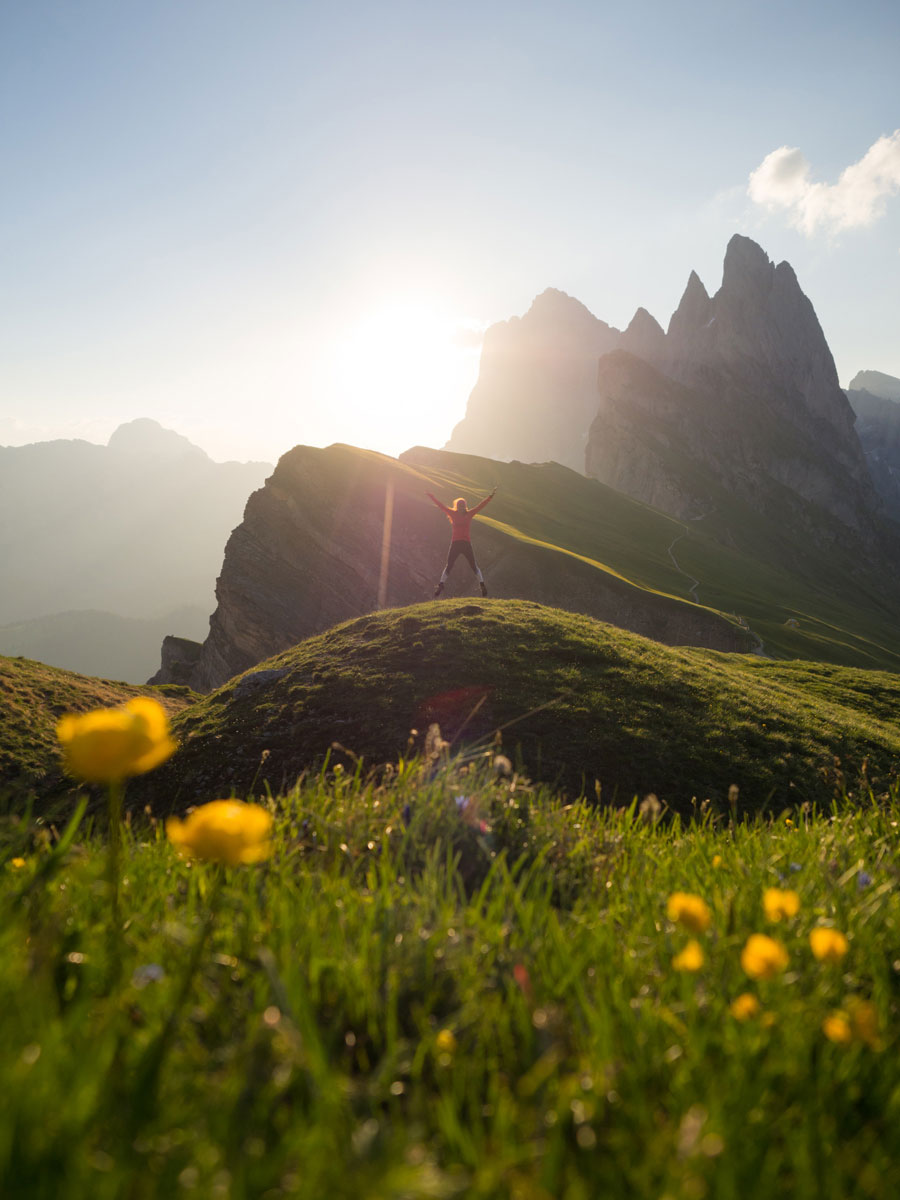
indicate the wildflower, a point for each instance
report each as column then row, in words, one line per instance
column 779, row 903
column 828, row 945
column 836, row 1028
column 446, row 1042
column 717, row 860
column 224, row 831
column 17, row 863
column 148, row 973
column 763, row 957
column 523, row 979
column 743, row 1007
column 690, row 958
column 863, row 880
column 690, row 911
column 109, row 744
column 864, row 1021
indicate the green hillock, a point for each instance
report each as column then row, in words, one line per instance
column 575, row 700
column 33, row 697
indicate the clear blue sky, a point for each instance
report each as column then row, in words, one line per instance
column 272, row 222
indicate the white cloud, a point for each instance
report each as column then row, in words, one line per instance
column 782, row 181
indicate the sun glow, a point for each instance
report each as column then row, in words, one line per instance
column 404, row 368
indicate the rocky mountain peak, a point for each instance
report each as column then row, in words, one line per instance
column 877, row 383
column 746, row 265
column 644, row 335
column 694, row 310
column 553, row 308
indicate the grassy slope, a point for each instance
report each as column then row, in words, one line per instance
column 635, row 715
column 745, row 565
column 32, row 698
column 389, row 1007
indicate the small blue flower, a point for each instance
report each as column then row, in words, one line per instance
column 863, row 880
column 406, row 815
column 149, row 973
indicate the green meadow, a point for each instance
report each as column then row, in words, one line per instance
column 447, row 982
column 463, row 969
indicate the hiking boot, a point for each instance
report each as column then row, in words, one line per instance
column 484, row 589
column 438, row 590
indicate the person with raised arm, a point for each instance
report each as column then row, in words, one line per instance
column 460, row 517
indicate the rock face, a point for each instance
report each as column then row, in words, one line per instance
column 740, row 393
column 878, row 427
column 744, row 394
column 310, row 553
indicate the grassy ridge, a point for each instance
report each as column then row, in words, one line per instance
column 744, row 564
column 421, row 998
column 577, row 700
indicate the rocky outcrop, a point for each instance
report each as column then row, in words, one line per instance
column 337, row 533
column 180, row 657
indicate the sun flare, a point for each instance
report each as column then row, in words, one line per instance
column 406, row 365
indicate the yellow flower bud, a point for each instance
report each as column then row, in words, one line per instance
column 223, row 831
column 828, row 945
column 690, row 959
column 109, row 744
column 763, row 957
column 445, row 1042
column 744, row 1007
column 778, row 903
column 689, row 910
column 836, row 1028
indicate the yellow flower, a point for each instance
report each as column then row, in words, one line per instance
column 109, row 744
column 690, row 911
column 828, row 945
column 17, row 863
column 690, row 958
column 445, row 1042
column 836, row 1028
column 717, row 860
column 763, row 957
column 744, row 1007
column 864, row 1021
column 224, row 831
column 778, row 903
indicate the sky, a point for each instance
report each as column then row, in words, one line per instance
column 271, row 222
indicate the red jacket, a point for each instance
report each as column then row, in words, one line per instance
column 461, row 521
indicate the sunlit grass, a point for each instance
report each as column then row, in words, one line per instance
column 445, row 982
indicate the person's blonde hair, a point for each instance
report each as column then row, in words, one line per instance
column 459, row 501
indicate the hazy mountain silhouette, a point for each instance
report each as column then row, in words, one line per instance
column 875, row 398
column 739, row 397
column 134, row 529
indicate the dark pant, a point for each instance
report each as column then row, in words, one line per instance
column 464, row 549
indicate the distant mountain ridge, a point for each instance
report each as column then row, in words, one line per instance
column 875, row 398
column 135, row 529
